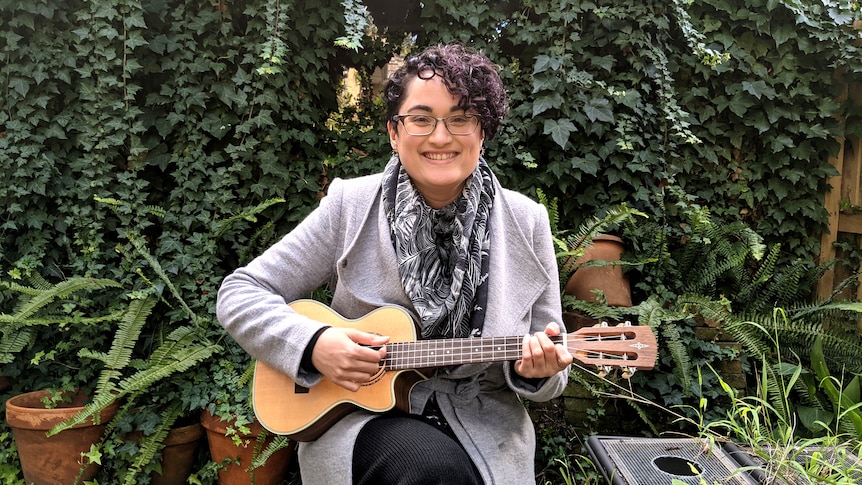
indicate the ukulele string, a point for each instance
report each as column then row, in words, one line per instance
column 431, row 353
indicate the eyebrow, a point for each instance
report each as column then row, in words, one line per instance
column 422, row 107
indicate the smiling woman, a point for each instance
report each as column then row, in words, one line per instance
column 438, row 236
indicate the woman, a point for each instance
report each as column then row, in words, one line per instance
column 437, row 235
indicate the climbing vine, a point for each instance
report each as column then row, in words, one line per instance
column 186, row 113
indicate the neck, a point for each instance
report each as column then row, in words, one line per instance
column 439, row 200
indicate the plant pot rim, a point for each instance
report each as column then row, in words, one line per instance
column 27, row 411
column 607, row 237
column 215, row 424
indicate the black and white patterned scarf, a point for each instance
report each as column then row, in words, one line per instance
column 442, row 253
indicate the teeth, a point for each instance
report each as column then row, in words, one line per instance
column 438, row 156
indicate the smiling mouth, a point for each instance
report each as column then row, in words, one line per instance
column 440, row 156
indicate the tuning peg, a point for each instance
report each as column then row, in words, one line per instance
column 628, row 372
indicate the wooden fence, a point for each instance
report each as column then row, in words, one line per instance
column 844, row 203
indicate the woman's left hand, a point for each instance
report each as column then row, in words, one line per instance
column 540, row 357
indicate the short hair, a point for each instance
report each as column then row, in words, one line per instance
column 466, row 73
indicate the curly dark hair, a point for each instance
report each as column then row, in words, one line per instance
column 468, row 74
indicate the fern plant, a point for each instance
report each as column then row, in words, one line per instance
column 801, row 336
column 42, row 305
column 570, row 244
column 158, row 368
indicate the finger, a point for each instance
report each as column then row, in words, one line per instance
column 527, row 348
column 553, row 329
column 366, row 338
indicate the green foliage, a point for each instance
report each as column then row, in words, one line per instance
column 151, row 144
column 796, row 349
column 46, row 305
column 570, row 244
column 693, row 268
column 765, row 427
column 845, row 402
column 610, row 100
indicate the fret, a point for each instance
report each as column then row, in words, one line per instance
column 442, row 352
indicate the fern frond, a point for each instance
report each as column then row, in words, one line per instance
column 13, row 343
column 616, row 215
column 645, row 418
column 37, row 306
column 753, row 336
column 191, row 356
column 174, row 356
column 278, row 443
column 552, row 206
column 257, row 240
column 41, row 298
column 249, row 214
column 775, row 392
column 125, row 338
column 755, row 294
column 595, row 310
column 679, row 352
column 142, row 251
column 90, row 411
column 12, row 321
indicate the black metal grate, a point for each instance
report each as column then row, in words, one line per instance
column 655, row 461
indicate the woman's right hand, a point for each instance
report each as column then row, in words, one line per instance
column 348, row 357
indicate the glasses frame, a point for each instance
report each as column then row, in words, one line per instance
column 401, row 117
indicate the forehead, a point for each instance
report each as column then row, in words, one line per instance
column 429, row 94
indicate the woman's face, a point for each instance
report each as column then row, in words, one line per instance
column 438, row 163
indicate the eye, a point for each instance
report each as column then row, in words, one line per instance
column 459, row 120
column 420, row 120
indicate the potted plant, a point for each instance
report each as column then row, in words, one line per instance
column 590, row 263
column 35, row 415
column 47, row 457
column 245, row 451
column 121, row 379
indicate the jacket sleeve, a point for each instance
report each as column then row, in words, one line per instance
column 547, row 309
column 253, row 301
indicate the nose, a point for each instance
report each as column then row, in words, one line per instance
column 440, row 134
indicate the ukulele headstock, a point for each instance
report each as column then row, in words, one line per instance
column 624, row 346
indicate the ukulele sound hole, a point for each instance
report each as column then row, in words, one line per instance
column 376, row 377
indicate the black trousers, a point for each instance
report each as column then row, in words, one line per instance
column 405, row 450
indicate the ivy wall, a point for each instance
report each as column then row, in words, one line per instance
column 178, row 106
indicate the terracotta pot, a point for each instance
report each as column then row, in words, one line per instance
column 54, row 460
column 610, row 279
column 178, row 455
column 221, row 447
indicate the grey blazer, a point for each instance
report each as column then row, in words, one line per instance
column 345, row 242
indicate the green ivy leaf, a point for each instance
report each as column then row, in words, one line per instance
column 758, row 89
column 546, row 102
column 93, row 456
column 599, row 109
column 559, row 130
column 20, row 86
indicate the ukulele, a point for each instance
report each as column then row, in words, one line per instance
column 303, row 414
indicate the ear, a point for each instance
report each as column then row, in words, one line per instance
column 392, row 128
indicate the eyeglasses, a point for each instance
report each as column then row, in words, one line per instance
column 422, row 125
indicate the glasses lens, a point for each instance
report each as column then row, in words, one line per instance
column 462, row 124
column 421, row 125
